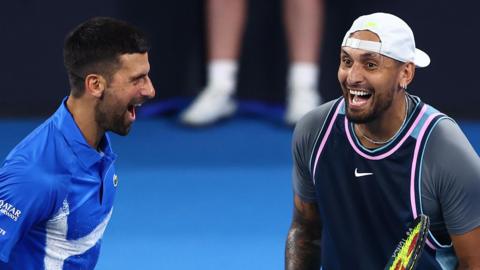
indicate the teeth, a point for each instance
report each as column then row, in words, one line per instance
column 359, row 92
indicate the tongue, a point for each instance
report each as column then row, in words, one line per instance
column 358, row 100
column 132, row 112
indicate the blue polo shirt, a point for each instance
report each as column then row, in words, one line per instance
column 56, row 198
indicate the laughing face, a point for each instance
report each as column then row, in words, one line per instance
column 369, row 81
column 128, row 88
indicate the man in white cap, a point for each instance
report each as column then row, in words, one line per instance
column 371, row 161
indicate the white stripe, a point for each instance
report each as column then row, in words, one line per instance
column 58, row 248
column 367, row 45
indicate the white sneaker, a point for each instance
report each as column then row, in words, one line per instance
column 211, row 105
column 299, row 102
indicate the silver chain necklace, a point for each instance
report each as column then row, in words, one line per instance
column 394, row 135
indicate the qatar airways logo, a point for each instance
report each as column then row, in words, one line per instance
column 9, row 210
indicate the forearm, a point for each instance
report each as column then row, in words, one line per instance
column 468, row 268
column 465, row 265
column 303, row 248
column 466, row 248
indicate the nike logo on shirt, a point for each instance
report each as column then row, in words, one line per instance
column 359, row 174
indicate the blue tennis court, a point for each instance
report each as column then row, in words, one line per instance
column 216, row 198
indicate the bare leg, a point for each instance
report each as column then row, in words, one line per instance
column 225, row 27
column 225, row 24
column 304, row 28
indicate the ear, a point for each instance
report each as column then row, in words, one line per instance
column 95, row 84
column 406, row 74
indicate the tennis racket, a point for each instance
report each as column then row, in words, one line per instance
column 408, row 251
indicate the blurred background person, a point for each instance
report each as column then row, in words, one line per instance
column 303, row 20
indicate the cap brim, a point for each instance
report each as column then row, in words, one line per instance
column 421, row 58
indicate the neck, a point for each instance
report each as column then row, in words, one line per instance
column 83, row 112
column 385, row 128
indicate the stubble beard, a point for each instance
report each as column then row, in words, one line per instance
column 379, row 108
column 110, row 119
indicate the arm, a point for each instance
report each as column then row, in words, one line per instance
column 467, row 248
column 303, row 247
column 453, row 168
column 23, row 203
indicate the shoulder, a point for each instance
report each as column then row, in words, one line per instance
column 34, row 162
column 305, row 136
column 307, row 132
column 447, row 136
column 41, row 148
column 31, row 180
column 35, row 142
column 452, row 176
column 312, row 123
column 448, row 150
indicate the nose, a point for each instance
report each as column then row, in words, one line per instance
column 355, row 74
column 148, row 91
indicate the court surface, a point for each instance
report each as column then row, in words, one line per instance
column 216, row 198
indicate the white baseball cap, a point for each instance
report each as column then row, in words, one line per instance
column 396, row 38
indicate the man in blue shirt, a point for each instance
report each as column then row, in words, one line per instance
column 57, row 186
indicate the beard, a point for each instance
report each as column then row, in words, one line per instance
column 110, row 116
column 380, row 105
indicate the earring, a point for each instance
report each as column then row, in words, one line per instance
column 404, row 86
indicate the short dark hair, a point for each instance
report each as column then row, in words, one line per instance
column 95, row 46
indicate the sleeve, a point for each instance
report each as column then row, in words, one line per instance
column 24, row 201
column 304, row 137
column 453, row 177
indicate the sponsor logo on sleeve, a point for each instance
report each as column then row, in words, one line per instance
column 9, row 210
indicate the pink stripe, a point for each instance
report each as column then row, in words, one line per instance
column 414, row 163
column 414, row 168
column 325, row 137
column 430, row 244
column 384, row 155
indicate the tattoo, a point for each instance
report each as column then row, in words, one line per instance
column 303, row 246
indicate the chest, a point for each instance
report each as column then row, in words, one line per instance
column 355, row 183
column 88, row 201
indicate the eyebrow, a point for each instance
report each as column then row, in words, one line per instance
column 134, row 78
column 370, row 55
column 344, row 52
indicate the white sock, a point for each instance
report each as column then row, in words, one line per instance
column 222, row 75
column 303, row 75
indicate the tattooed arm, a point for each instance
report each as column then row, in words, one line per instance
column 302, row 249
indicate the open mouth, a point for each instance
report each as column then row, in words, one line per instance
column 359, row 97
column 132, row 110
